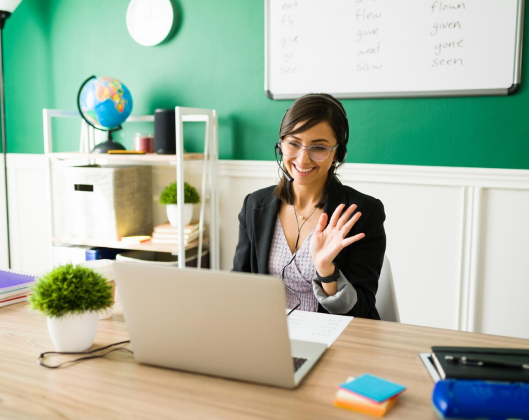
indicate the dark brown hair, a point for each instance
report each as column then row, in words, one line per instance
column 313, row 109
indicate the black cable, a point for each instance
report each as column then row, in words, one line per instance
column 289, row 288
column 294, row 256
column 40, row 360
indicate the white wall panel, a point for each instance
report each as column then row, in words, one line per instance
column 28, row 213
column 233, row 188
column 503, row 288
column 423, row 228
column 456, row 236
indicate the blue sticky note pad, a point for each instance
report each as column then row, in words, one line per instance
column 373, row 387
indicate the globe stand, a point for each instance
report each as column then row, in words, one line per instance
column 109, row 144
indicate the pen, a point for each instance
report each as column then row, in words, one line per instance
column 469, row 361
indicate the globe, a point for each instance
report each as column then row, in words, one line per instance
column 104, row 102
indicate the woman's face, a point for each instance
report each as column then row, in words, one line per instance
column 303, row 169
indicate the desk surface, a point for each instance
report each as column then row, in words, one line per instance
column 117, row 387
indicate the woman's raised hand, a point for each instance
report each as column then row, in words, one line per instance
column 327, row 242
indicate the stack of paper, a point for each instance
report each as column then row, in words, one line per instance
column 14, row 287
column 368, row 394
column 167, row 234
column 316, row 326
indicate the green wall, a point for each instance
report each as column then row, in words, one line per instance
column 216, row 60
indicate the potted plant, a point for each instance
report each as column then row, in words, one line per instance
column 168, row 197
column 71, row 296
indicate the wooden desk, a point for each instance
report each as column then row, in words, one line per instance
column 117, row 387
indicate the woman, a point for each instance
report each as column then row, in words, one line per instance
column 328, row 263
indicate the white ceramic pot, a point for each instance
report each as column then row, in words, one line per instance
column 172, row 213
column 73, row 332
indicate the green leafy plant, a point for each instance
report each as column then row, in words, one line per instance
column 168, row 195
column 70, row 289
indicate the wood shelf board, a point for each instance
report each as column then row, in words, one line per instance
column 143, row 246
column 148, row 157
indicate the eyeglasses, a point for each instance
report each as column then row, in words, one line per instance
column 316, row 153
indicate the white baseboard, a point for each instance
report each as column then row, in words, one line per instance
column 444, row 228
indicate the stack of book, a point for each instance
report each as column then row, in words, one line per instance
column 368, row 394
column 167, row 234
column 14, row 287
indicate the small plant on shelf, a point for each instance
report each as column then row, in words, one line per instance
column 168, row 195
column 169, row 198
column 71, row 296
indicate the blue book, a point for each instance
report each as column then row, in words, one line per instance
column 102, row 253
column 92, row 254
column 373, row 387
column 12, row 280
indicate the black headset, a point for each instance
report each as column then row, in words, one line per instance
column 342, row 149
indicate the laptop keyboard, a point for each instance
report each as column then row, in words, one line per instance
column 298, row 362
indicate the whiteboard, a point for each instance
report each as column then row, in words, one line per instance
column 392, row 48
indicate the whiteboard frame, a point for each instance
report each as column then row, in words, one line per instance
column 517, row 74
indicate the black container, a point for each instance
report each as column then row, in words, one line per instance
column 164, row 132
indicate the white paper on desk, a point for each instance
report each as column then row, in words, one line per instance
column 316, row 327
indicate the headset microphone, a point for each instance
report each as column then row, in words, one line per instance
column 287, row 175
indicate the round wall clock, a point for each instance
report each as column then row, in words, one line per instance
column 150, row 21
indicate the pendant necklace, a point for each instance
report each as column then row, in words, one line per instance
column 300, row 227
column 300, row 217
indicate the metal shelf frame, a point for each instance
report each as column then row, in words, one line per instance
column 209, row 178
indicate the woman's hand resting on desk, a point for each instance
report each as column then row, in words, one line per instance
column 327, row 242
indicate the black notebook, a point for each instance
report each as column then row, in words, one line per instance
column 482, row 363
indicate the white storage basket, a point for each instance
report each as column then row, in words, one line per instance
column 102, row 202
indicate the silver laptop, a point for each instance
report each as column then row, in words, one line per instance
column 217, row 323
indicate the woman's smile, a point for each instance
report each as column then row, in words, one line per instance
column 303, row 171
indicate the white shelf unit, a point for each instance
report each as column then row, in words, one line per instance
column 209, row 178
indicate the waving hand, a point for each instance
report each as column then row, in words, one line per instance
column 327, row 242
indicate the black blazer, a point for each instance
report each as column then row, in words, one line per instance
column 360, row 262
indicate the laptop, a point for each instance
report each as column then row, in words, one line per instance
column 218, row 323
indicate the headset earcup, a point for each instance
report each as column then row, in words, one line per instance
column 342, row 151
